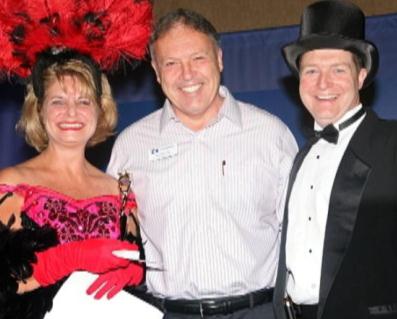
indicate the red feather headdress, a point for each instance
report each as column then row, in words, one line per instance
column 108, row 31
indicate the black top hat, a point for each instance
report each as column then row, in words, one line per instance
column 333, row 24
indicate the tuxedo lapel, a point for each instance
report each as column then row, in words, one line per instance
column 344, row 203
column 346, row 195
column 282, row 268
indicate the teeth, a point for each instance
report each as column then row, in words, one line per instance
column 71, row 125
column 191, row 89
column 326, row 97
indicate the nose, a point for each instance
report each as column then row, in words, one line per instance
column 71, row 109
column 187, row 70
column 323, row 80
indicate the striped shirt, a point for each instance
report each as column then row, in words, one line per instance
column 210, row 202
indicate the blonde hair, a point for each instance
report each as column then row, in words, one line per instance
column 30, row 123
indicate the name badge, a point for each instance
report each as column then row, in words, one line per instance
column 163, row 152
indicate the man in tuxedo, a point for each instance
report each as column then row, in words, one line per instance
column 339, row 242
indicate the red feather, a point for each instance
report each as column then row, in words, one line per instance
column 107, row 30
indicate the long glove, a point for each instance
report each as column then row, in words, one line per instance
column 114, row 281
column 93, row 255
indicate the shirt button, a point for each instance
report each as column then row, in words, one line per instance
column 310, row 218
column 311, row 186
column 310, row 251
column 318, row 156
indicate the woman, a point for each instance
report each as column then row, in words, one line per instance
column 57, row 208
column 59, row 188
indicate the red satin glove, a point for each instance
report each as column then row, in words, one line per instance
column 113, row 281
column 93, row 255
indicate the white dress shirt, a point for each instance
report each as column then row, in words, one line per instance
column 308, row 211
column 210, row 202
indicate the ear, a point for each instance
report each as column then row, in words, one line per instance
column 220, row 59
column 155, row 68
column 362, row 75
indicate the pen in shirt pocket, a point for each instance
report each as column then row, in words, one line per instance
column 223, row 167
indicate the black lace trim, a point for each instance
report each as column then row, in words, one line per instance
column 17, row 251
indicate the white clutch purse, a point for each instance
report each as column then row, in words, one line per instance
column 71, row 301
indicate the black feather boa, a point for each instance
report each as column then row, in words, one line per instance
column 17, row 251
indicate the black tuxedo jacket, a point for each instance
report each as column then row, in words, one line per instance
column 359, row 266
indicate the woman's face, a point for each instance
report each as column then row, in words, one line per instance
column 69, row 115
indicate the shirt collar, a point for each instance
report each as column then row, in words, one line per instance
column 229, row 110
column 167, row 115
column 345, row 116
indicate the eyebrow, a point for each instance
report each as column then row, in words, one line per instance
column 331, row 65
column 54, row 97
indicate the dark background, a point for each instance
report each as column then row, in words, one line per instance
column 254, row 71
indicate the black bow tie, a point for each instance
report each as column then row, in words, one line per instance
column 331, row 134
column 328, row 133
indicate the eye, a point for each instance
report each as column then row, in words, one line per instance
column 199, row 57
column 169, row 64
column 57, row 102
column 84, row 102
column 309, row 71
column 340, row 70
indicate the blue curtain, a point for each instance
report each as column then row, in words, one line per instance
column 254, row 71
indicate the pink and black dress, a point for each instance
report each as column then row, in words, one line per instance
column 48, row 218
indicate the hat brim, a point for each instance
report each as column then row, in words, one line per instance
column 364, row 49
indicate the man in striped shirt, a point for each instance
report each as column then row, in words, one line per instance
column 209, row 174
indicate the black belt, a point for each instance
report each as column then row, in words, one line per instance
column 294, row 311
column 219, row 305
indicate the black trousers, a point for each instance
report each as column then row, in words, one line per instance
column 302, row 312
column 308, row 312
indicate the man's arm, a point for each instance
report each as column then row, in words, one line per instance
column 288, row 150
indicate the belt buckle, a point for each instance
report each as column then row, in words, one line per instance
column 215, row 307
column 211, row 307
